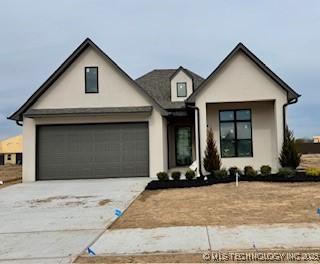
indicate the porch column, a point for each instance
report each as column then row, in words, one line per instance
column 197, row 141
column 203, row 134
column 29, row 150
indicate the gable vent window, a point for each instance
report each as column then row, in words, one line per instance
column 181, row 89
column 91, row 79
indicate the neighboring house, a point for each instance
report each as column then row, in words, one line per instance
column 91, row 120
column 11, row 151
column 316, row 139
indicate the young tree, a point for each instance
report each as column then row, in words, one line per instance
column 211, row 161
column 289, row 156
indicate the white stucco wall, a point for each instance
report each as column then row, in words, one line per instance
column 263, row 133
column 114, row 91
column 69, row 89
column 181, row 76
column 242, row 81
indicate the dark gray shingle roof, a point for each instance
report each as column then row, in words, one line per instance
column 157, row 84
column 86, row 111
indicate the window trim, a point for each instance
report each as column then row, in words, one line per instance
column 235, row 121
column 185, row 83
column 85, row 79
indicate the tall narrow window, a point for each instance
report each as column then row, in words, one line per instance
column 183, row 146
column 91, row 79
column 235, row 133
column 181, row 89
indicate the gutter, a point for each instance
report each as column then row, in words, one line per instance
column 199, row 147
column 292, row 101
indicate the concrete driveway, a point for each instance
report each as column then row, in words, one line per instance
column 53, row 221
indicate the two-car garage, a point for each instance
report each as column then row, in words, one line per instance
column 85, row 151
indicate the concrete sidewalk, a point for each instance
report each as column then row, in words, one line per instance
column 198, row 238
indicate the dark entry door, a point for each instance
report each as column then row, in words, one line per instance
column 92, row 151
column 183, row 146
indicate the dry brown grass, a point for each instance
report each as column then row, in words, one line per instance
column 183, row 257
column 147, row 258
column 310, row 161
column 224, row 204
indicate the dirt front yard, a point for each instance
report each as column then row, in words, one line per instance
column 205, row 257
column 224, row 204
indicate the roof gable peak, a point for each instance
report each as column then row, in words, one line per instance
column 181, row 69
column 241, row 47
column 63, row 67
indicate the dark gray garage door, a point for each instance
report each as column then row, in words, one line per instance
column 92, row 151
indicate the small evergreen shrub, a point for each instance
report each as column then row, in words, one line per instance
column 190, row 174
column 249, row 171
column 289, row 156
column 162, row 176
column 313, row 171
column 175, row 175
column 211, row 161
column 233, row 171
column 286, row 172
column 265, row 170
column 221, row 174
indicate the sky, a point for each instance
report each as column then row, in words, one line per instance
column 141, row 35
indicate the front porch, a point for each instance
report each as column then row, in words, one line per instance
column 246, row 133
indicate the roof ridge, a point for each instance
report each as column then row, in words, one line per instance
column 191, row 72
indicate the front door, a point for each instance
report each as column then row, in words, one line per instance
column 183, row 146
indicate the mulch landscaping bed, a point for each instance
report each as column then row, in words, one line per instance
column 299, row 177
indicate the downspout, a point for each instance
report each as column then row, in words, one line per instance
column 292, row 101
column 19, row 124
column 198, row 139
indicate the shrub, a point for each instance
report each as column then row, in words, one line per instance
column 175, row 175
column 190, row 174
column 265, row 170
column 162, row 176
column 313, row 172
column 233, row 171
column 249, row 171
column 220, row 174
column 289, row 156
column 211, row 161
column 286, row 172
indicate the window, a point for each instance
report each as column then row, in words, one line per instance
column 235, row 133
column 181, row 89
column 183, row 146
column 91, row 79
column 9, row 157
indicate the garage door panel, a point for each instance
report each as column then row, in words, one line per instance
column 92, row 151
